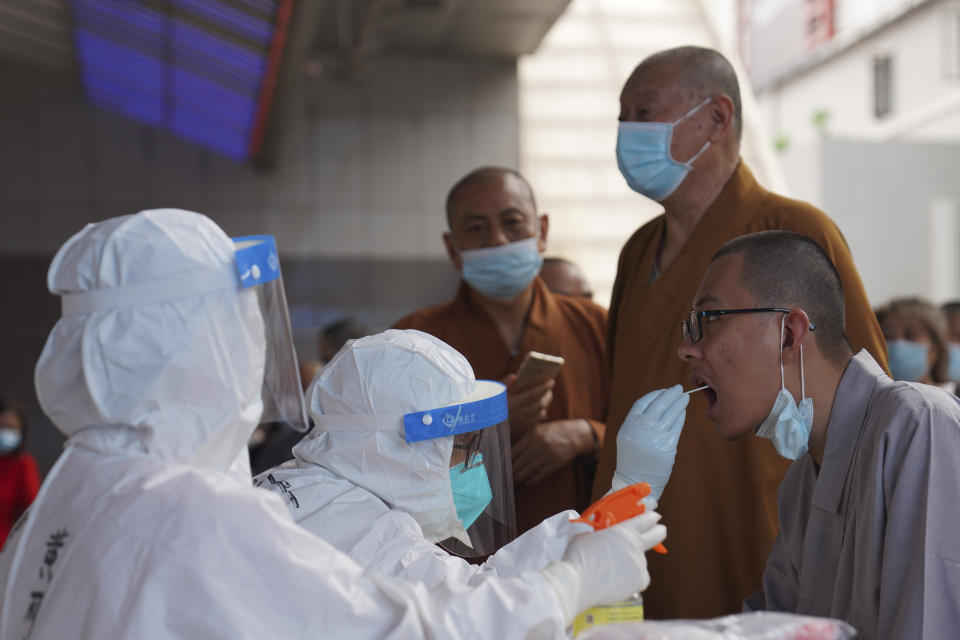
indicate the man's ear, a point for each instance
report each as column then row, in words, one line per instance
column 452, row 252
column 796, row 328
column 544, row 227
column 721, row 116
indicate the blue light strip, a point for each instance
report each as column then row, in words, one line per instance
column 240, row 22
column 196, row 70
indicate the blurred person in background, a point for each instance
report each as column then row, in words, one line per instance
column 679, row 144
column 308, row 371
column 272, row 444
column 565, row 278
column 951, row 311
column 916, row 335
column 503, row 310
column 336, row 334
column 19, row 480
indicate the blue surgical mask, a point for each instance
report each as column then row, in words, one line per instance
column 10, row 440
column 788, row 425
column 471, row 491
column 953, row 366
column 908, row 359
column 504, row 271
column 643, row 155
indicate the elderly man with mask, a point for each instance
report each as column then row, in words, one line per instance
column 409, row 452
column 679, row 144
column 174, row 343
column 504, row 310
column 868, row 509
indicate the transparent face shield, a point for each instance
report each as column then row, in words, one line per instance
column 481, row 476
column 259, row 268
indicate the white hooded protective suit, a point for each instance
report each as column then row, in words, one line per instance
column 376, row 497
column 139, row 530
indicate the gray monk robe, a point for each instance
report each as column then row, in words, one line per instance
column 873, row 535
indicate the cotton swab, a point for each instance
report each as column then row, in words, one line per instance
column 706, row 386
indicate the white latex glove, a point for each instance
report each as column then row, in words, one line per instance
column 647, row 440
column 605, row 566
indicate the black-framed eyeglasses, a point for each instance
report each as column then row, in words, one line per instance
column 472, row 448
column 692, row 328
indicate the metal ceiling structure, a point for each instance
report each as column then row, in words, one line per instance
column 503, row 28
column 37, row 34
column 206, row 69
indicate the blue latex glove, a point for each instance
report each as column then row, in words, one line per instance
column 647, row 441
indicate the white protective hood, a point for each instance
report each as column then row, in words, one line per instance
column 180, row 378
column 389, row 373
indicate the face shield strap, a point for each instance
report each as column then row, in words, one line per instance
column 432, row 423
column 150, row 292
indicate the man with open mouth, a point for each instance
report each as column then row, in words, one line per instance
column 868, row 508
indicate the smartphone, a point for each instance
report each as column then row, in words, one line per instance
column 537, row 367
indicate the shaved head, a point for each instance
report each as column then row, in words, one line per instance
column 786, row 269
column 700, row 71
column 484, row 175
column 565, row 277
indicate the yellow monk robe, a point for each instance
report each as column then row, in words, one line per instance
column 558, row 325
column 720, row 506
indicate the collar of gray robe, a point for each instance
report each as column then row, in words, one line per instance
column 844, row 431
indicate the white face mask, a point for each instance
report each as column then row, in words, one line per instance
column 789, row 425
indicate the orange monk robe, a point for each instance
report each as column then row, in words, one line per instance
column 558, row 325
column 720, row 506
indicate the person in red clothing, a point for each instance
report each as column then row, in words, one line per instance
column 19, row 480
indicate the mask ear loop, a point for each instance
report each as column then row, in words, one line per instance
column 782, row 381
column 693, row 110
column 689, row 163
column 803, row 377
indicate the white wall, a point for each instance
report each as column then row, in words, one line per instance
column 926, row 102
column 889, row 183
column 897, row 205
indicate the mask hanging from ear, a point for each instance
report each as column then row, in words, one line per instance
column 788, row 425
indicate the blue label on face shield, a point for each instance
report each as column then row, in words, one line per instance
column 257, row 260
column 459, row 418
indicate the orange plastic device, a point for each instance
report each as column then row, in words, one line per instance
column 618, row 506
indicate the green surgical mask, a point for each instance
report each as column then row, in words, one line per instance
column 471, row 491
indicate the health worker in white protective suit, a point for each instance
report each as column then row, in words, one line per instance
column 404, row 454
column 156, row 373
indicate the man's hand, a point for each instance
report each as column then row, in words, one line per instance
column 527, row 403
column 549, row 446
